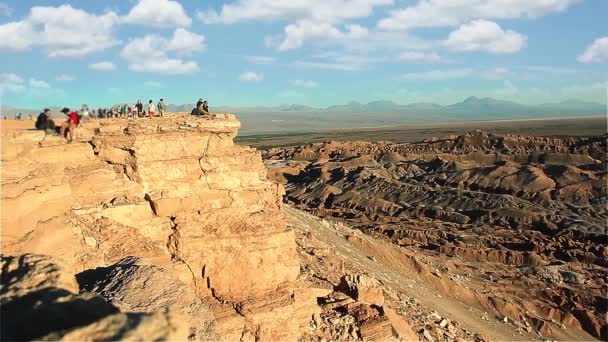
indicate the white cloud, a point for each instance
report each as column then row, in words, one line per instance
column 596, row 52
column 64, row 31
column 159, row 13
column 32, row 87
column 151, row 52
column 296, row 34
column 250, row 76
column 105, row 66
column 440, row 13
column 484, row 35
column 34, row 83
column 303, row 83
column 65, row 78
column 10, row 82
column 437, row 75
column 317, row 20
column 328, row 11
column 260, row 59
column 417, row 56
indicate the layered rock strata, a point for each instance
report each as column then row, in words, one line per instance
column 176, row 192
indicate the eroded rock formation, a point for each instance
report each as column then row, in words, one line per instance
column 175, row 192
column 511, row 224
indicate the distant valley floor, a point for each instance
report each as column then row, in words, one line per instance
column 559, row 127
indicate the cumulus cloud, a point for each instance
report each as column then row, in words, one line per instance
column 64, row 31
column 159, row 13
column 596, row 52
column 303, row 83
column 250, row 76
column 440, row 13
column 330, row 11
column 151, row 52
column 417, row 56
column 313, row 19
column 104, row 66
column 484, row 35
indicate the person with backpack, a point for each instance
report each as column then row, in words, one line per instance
column 161, row 107
column 70, row 124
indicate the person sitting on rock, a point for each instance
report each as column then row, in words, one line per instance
column 71, row 123
column 203, row 108
column 44, row 121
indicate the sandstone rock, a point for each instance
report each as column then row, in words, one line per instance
column 135, row 287
column 175, row 191
column 37, row 303
column 363, row 288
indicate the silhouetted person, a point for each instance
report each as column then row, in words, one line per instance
column 44, row 121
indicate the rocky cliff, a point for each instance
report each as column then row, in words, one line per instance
column 177, row 193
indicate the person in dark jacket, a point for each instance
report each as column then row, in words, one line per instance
column 140, row 108
column 44, row 121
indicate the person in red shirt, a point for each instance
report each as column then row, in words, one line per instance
column 71, row 123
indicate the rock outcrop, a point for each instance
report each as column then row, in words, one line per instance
column 174, row 191
column 511, row 224
column 39, row 302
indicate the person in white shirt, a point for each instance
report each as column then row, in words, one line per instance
column 151, row 108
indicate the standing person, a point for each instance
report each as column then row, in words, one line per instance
column 151, row 109
column 140, row 108
column 71, row 123
column 161, row 108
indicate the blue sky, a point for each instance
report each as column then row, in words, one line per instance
column 315, row 52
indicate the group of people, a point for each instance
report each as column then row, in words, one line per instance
column 126, row 110
column 202, row 108
column 45, row 121
column 66, row 129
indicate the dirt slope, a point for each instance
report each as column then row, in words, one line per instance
column 518, row 221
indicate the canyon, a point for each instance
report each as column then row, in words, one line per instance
column 164, row 228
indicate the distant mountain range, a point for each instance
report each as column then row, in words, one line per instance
column 472, row 108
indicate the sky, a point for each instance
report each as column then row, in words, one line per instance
column 313, row 52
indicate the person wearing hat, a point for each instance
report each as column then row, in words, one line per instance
column 71, row 123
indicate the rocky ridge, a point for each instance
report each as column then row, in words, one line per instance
column 177, row 193
column 514, row 225
column 164, row 229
